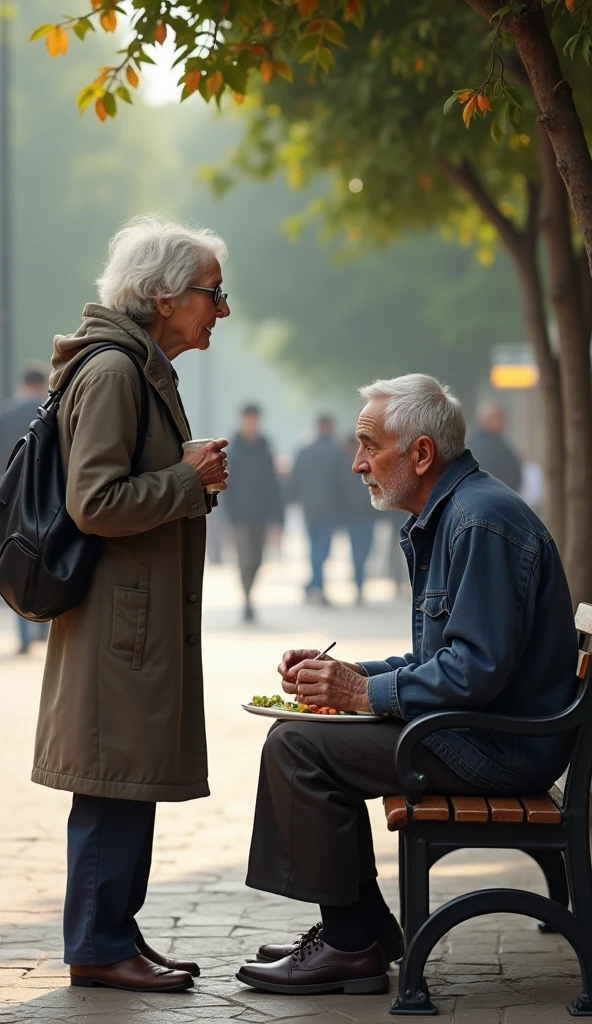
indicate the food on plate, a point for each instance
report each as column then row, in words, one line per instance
column 280, row 704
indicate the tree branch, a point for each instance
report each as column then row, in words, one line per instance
column 464, row 176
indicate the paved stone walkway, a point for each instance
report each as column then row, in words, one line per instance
column 489, row 971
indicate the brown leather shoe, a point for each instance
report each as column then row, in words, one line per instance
column 134, row 975
column 166, row 961
column 390, row 938
column 316, row 967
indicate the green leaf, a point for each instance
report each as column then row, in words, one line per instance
column 110, row 104
column 325, row 58
column 82, row 27
column 570, row 47
column 304, row 48
column 43, row 30
column 450, row 103
column 124, row 94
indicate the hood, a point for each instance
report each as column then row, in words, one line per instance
column 99, row 326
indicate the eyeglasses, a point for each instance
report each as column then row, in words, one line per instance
column 217, row 293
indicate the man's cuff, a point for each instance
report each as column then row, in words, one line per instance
column 382, row 694
column 376, row 668
column 194, row 491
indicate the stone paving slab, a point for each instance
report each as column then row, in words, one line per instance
column 496, row 970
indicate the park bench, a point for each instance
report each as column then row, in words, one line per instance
column 553, row 828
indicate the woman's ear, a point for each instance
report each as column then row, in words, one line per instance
column 164, row 306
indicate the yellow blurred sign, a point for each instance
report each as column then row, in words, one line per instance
column 506, row 376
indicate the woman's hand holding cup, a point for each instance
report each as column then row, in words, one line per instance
column 209, row 460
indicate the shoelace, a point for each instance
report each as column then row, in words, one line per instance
column 308, row 943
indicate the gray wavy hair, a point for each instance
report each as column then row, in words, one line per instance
column 418, row 405
column 151, row 258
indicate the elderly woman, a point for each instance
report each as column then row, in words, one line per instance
column 121, row 724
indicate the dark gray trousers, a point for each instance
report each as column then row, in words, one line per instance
column 250, row 542
column 312, row 839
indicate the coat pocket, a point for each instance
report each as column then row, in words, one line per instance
column 130, row 608
column 436, row 613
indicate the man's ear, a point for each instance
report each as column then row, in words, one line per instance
column 164, row 306
column 424, row 454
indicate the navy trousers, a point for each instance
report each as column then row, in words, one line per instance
column 320, row 533
column 109, row 858
column 361, row 536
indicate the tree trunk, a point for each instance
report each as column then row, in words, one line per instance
column 565, row 288
column 522, row 247
column 554, row 97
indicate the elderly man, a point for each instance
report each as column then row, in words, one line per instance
column 492, row 629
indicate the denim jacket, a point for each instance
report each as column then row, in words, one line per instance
column 493, row 630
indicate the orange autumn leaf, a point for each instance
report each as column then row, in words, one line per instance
column 420, row 64
column 267, row 71
column 425, row 181
column 192, row 82
column 464, row 96
column 96, row 4
column 160, row 33
column 482, row 102
column 132, row 77
column 570, row 4
column 352, row 8
column 238, row 98
column 109, row 21
column 306, row 8
column 100, row 110
column 469, row 110
column 57, row 42
column 268, row 26
column 215, row 83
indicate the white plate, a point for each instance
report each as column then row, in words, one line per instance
column 302, row 716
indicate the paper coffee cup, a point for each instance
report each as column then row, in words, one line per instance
column 199, row 443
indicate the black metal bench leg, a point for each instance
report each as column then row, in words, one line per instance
column 579, row 871
column 401, row 878
column 417, row 882
column 414, row 999
column 552, row 865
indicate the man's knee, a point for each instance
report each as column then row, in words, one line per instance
column 289, row 741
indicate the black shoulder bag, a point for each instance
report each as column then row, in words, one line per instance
column 46, row 562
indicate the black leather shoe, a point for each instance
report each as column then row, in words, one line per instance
column 316, row 967
column 390, row 938
column 134, row 975
column 189, row 966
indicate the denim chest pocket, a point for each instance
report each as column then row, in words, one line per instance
column 435, row 614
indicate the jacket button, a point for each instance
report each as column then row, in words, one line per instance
column 191, row 639
column 192, row 598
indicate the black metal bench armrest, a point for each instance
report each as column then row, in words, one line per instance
column 414, row 783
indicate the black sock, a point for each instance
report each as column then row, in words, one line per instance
column 373, row 909
column 344, row 929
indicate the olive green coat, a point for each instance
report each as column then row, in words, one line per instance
column 122, row 701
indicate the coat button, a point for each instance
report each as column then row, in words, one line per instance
column 192, row 598
column 192, row 639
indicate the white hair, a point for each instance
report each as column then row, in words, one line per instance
column 151, row 258
column 418, row 405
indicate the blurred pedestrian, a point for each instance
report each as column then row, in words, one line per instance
column 359, row 518
column 253, row 503
column 317, row 486
column 121, row 720
column 15, row 416
column 399, row 569
column 492, row 451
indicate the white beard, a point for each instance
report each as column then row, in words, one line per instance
column 396, row 492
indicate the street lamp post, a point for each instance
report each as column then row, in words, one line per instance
column 6, row 340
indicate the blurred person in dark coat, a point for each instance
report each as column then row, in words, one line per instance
column 317, row 485
column 490, row 448
column 359, row 518
column 16, row 414
column 255, row 503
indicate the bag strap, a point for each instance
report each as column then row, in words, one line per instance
column 55, row 397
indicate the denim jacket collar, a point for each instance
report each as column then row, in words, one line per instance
column 448, row 482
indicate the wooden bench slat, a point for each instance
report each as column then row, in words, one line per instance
column 469, row 808
column 395, row 809
column 584, row 618
column 540, row 810
column 505, row 808
column 432, row 808
column 583, row 663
